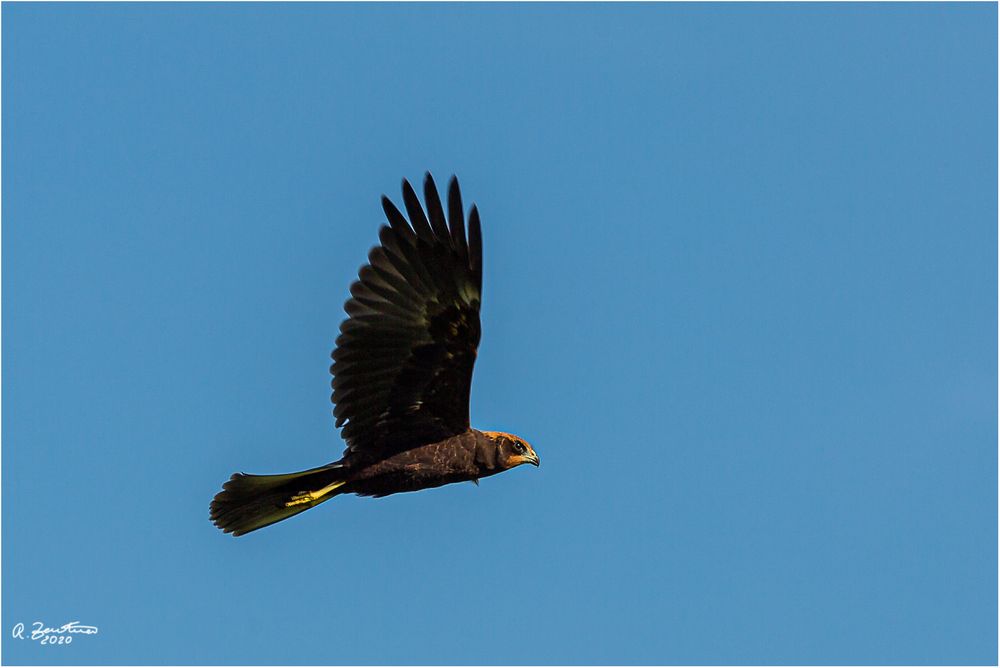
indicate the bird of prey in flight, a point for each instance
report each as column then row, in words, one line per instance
column 402, row 372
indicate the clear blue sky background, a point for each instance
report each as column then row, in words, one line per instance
column 741, row 270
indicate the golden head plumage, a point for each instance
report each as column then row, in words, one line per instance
column 512, row 450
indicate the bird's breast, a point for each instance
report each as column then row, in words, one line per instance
column 422, row 467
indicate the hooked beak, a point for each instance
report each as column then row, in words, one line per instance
column 532, row 459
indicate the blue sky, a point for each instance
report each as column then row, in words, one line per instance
column 740, row 294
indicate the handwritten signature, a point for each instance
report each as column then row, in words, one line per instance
column 49, row 635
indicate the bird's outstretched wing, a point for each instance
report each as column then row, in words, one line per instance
column 402, row 368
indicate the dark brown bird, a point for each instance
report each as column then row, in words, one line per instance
column 402, row 372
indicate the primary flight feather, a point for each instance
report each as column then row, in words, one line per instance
column 402, row 373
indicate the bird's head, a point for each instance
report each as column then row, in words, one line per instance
column 512, row 450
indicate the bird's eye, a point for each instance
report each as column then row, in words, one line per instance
column 519, row 448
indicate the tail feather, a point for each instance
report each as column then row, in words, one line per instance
column 250, row 502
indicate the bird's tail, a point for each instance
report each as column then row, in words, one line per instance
column 250, row 502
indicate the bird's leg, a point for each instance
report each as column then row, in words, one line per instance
column 309, row 497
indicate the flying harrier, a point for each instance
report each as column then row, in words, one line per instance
column 402, row 372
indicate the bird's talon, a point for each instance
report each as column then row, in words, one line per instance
column 299, row 498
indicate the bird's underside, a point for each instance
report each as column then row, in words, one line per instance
column 402, row 372
column 465, row 457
